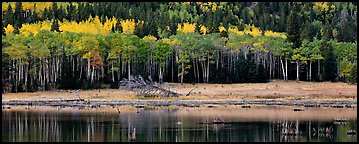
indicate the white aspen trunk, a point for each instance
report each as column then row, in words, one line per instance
column 40, row 74
column 194, row 69
column 44, row 72
column 207, row 72
column 197, row 67
column 286, row 70
column 160, row 76
column 47, row 71
column 274, row 67
column 129, row 69
column 281, row 61
column 35, row 76
column 10, row 71
column 19, row 77
column 119, row 71
column 178, row 71
column 113, row 75
column 270, row 67
column 26, row 73
column 182, row 72
column 297, row 70
column 73, row 64
column 81, row 69
column 14, row 74
column 217, row 59
column 57, row 68
column 92, row 73
column 310, row 71
column 88, row 68
column 318, row 69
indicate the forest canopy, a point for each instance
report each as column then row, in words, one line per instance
column 50, row 45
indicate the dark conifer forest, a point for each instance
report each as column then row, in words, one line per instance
column 86, row 45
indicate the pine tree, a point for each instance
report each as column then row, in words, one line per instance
column 34, row 16
column 8, row 17
column 330, row 66
column 293, row 28
column 353, row 74
column 18, row 15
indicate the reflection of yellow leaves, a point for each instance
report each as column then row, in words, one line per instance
column 9, row 29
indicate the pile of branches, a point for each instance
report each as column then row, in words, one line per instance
column 146, row 87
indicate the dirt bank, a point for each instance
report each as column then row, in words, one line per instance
column 277, row 90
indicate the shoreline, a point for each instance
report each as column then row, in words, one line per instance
column 186, row 103
column 277, row 92
column 255, row 113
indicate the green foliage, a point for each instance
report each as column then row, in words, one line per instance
column 162, row 52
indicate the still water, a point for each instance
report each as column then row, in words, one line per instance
column 177, row 125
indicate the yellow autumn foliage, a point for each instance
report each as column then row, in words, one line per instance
column 186, row 27
column 221, row 28
column 90, row 26
column 9, row 29
column 171, row 42
column 46, row 25
column 252, row 30
column 128, row 26
column 203, row 29
column 27, row 29
column 235, row 30
column 321, row 5
column 274, row 34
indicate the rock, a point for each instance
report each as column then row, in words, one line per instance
column 298, row 109
column 351, row 132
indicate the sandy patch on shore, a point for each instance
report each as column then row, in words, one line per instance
column 248, row 91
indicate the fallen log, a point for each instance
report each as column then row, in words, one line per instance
column 146, row 87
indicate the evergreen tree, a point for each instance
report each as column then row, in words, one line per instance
column 330, row 72
column 8, row 17
column 18, row 15
column 293, row 28
column 66, row 73
column 34, row 16
column 353, row 74
column 45, row 14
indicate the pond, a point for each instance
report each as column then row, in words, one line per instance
column 177, row 124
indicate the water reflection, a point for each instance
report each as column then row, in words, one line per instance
column 163, row 125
